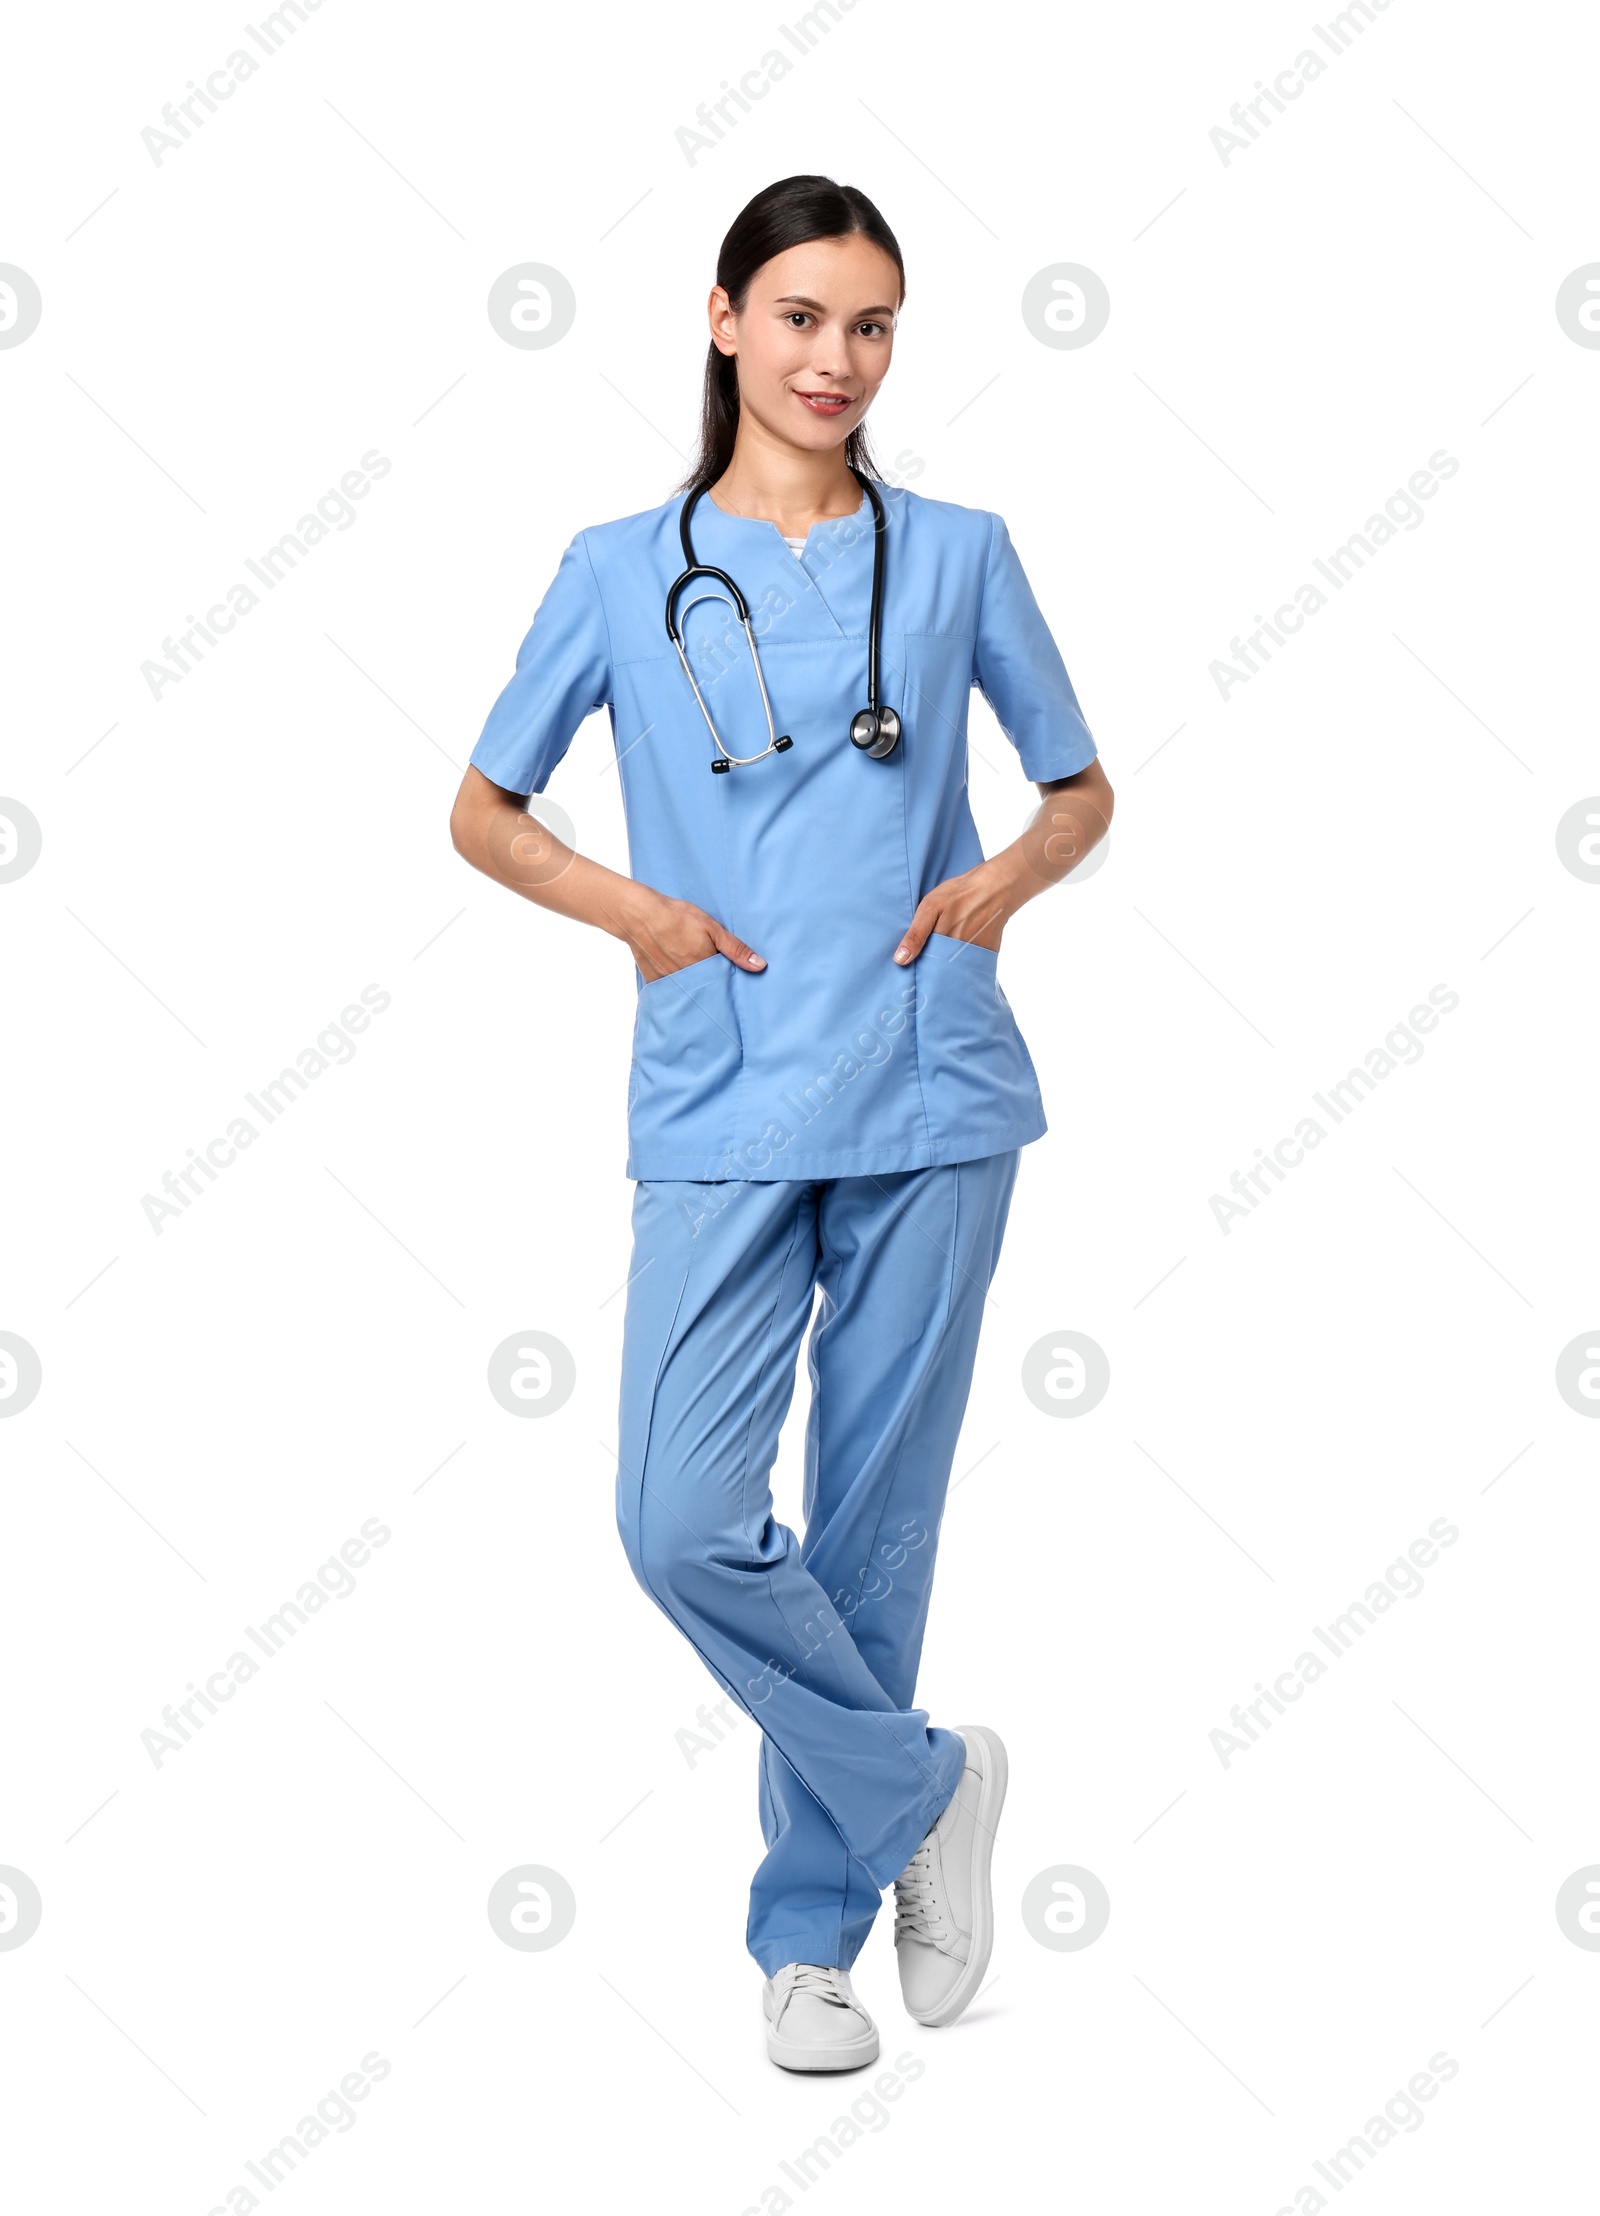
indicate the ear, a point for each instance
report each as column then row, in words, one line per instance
column 720, row 313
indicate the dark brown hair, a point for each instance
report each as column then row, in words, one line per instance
column 789, row 213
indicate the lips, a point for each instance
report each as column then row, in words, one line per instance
column 824, row 403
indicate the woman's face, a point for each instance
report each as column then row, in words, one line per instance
column 813, row 339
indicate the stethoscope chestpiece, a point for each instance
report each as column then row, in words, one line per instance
column 876, row 731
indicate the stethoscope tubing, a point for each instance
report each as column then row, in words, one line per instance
column 739, row 761
column 735, row 600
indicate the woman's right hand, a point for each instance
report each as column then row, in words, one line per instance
column 668, row 935
column 492, row 829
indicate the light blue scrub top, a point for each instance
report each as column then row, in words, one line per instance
column 833, row 1061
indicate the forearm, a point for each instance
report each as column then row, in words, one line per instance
column 491, row 829
column 501, row 839
column 1073, row 816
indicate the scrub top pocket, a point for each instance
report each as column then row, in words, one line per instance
column 687, row 1057
column 977, row 1075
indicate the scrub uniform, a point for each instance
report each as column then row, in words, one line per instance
column 833, row 1139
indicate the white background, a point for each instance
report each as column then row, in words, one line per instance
column 1292, row 334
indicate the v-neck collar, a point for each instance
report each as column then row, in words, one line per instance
column 766, row 523
column 795, row 566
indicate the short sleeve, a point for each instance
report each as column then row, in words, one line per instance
column 1017, row 666
column 563, row 674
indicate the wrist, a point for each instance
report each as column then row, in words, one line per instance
column 628, row 907
column 1010, row 879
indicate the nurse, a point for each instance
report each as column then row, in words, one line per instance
column 829, row 1090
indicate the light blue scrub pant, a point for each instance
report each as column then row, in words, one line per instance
column 818, row 1638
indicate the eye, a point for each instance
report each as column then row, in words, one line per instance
column 874, row 330
column 796, row 318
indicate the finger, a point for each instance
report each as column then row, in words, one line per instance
column 916, row 936
column 742, row 956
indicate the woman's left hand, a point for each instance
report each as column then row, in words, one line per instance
column 1069, row 823
column 976, row 906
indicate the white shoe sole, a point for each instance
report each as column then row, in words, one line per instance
column 991, row 1799
column 790, row 2054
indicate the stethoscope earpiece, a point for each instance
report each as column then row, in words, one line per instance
column 874, row 730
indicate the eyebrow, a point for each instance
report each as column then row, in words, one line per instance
column 799, row 300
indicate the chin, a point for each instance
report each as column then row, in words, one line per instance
column 819, row 433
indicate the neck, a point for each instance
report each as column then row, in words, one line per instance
column 773, row 482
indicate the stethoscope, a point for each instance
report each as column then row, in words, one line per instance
column 874, row 729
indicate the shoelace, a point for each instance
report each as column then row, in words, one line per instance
column 813, row 1977
column 917, row 1914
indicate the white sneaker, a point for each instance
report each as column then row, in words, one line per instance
column 944, row 1908
column 815, row 2022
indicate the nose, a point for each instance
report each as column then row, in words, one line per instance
column 831, row 357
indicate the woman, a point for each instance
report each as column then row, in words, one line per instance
column 829, row 1091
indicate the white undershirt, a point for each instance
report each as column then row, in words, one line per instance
column 798, row 546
